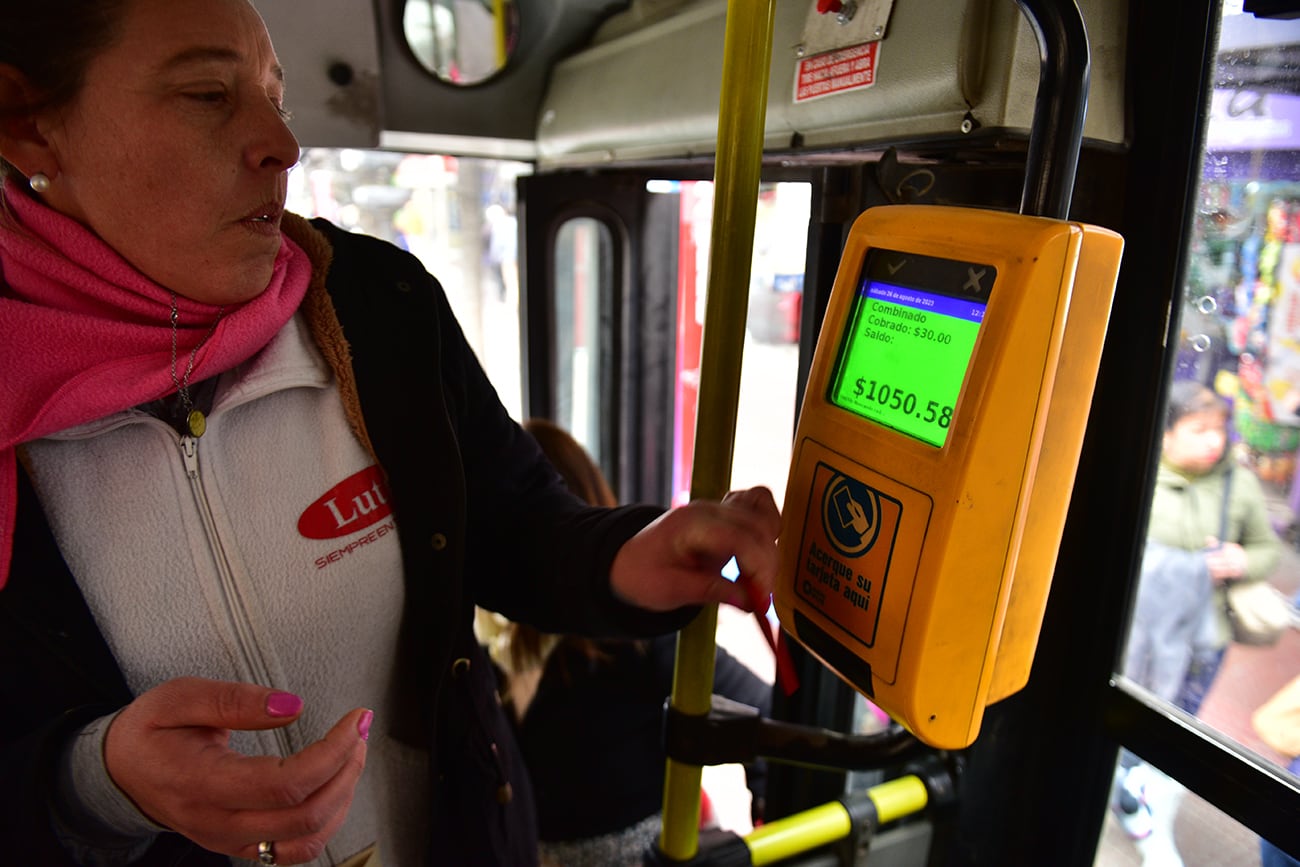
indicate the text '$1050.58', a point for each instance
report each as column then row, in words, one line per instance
column 903, row 401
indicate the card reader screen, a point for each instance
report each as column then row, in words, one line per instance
column 908, row 341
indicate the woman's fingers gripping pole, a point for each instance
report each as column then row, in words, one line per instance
column 678, row 559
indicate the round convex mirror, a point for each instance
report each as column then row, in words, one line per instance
column 462, row 42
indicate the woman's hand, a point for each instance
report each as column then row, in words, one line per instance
column 169, row 752
column 678, row 559
column 1226, row 561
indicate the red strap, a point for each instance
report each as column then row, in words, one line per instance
column 785, row 673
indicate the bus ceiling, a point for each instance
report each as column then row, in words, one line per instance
column 600, row 82
column 408, row 74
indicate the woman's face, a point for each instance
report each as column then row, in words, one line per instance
column 176, row 152
column 1196, row 441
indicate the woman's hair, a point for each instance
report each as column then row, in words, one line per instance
column 573, row 462
column 1187, row 397
column 52, row 42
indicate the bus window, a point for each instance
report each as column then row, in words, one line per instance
column 765, row 416
column 455, row 214
column 1239, row 339
column 584, row 280
column 765, row 413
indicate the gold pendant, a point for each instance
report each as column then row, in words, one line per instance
column 196, row 423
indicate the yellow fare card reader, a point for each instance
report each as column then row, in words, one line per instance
column 935, row 453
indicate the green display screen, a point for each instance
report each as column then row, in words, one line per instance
column 908, row 341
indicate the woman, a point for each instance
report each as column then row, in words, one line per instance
column 1196, row 480
column 253, row 483
column 1209, row 525
column 589, row 714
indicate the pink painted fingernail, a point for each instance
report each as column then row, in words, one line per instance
column 363, row 724
column 283, row 704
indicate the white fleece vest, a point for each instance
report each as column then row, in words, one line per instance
column 264, row 552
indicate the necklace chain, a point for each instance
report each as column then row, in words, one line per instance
column 194, row 419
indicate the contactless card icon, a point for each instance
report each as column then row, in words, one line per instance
column 850, row 515
column 849, row 532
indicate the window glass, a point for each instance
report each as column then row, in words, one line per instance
column 765, row 417
column 1199, row 833
column 584, row 280
column 765, row 413
column 456, row 215
column 1223, row 512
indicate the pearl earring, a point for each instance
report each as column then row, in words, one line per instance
column 40, row 182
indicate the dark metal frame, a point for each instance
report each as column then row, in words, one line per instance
column 638, row 311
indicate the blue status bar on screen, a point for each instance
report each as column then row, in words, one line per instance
column 943, row 305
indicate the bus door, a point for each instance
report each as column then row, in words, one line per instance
column 598, row 300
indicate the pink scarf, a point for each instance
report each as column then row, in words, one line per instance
column 83, row 334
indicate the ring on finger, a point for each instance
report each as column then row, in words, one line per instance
column 266, row 852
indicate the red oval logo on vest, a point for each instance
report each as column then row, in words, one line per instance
column 353, row 504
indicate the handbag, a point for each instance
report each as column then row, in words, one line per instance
column 1257, row 611
column 1277, row 721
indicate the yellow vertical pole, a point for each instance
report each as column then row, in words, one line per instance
column 746, row 61
column 499, row 31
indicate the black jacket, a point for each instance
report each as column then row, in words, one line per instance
column 484, row 520
column 593, row 736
